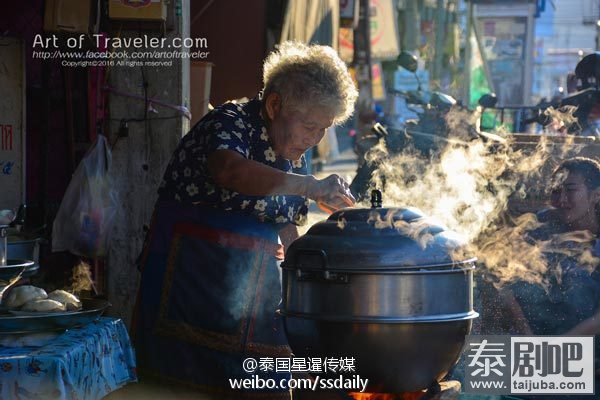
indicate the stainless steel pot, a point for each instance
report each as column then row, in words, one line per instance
column 24, row 249
column 412, row 295
column 396, row 358
column 379, row 285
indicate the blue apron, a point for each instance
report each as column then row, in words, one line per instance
column 209, row 289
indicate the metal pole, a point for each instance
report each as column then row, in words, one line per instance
column 412, row 26
column 440, row 38
column 468, row 55
column 530, row 46
column 3, row 245
column 362, row 65
column 598, row 28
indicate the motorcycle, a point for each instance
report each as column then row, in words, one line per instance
column 387, row 142
column 440, row 119
column 579, row 111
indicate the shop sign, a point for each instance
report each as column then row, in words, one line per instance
column 12, row 143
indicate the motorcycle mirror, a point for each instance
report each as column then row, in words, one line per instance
column 407, row 61
column 379, row 130
column 442, row 100
column 488, row 100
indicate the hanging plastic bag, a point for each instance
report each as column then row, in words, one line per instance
column 87, row 212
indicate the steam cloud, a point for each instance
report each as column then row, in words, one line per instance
column 82, row 278
column 467, row 187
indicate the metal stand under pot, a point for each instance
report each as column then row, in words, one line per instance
column 382, row 286
column 12, row 270
column 24, row 265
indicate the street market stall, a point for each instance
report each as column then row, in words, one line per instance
column 66, row 352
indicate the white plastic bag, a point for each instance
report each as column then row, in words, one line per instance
column 87, row 211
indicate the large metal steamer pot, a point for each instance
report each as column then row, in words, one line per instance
column 379, row 285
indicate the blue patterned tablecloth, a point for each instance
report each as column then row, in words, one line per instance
column 83, row 363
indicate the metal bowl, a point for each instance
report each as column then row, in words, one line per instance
column 400, row 357
column 15, row 267
column 91, row 310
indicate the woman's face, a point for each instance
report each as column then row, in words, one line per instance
column 573, row 200
column 292, row 132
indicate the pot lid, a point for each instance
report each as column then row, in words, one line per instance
column 371, row 239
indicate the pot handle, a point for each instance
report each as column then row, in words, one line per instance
column 309, row 255
column 305, row 258
column 376, row 198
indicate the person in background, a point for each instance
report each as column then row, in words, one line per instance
column 574, row 219
column 570, row 304
column 571, row 83
column 592, row 122
column 210, row 283
column 574, row 197
column 587, row 99
column 582, row 117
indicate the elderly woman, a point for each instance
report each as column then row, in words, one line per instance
column 210, row 280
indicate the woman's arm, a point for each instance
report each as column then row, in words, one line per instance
column 288, row 234
column 231, row 170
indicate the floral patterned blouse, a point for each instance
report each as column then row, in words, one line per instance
column 237, row 127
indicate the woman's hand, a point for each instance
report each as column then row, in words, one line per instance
column 331, row 193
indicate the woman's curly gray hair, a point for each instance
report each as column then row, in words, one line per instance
column 308, row 75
